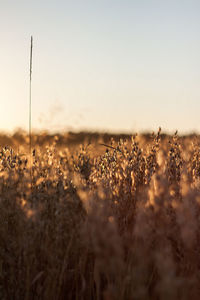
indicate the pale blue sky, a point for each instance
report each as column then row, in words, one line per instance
column 101, row 65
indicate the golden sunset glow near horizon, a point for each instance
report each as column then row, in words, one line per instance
column 101, row 65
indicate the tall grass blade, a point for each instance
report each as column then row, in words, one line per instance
column 30, row 105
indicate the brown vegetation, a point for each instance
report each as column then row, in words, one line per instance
column 91, row 222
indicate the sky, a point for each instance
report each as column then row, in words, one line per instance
column 106, row 65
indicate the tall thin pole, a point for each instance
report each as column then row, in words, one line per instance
column 30, row 100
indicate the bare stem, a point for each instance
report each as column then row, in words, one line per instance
column 30, row 96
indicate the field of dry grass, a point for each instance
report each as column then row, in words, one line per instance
column 97, row 222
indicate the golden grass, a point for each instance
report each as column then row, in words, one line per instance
column 97, row 222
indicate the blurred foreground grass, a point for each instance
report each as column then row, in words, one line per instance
column 97, row 222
